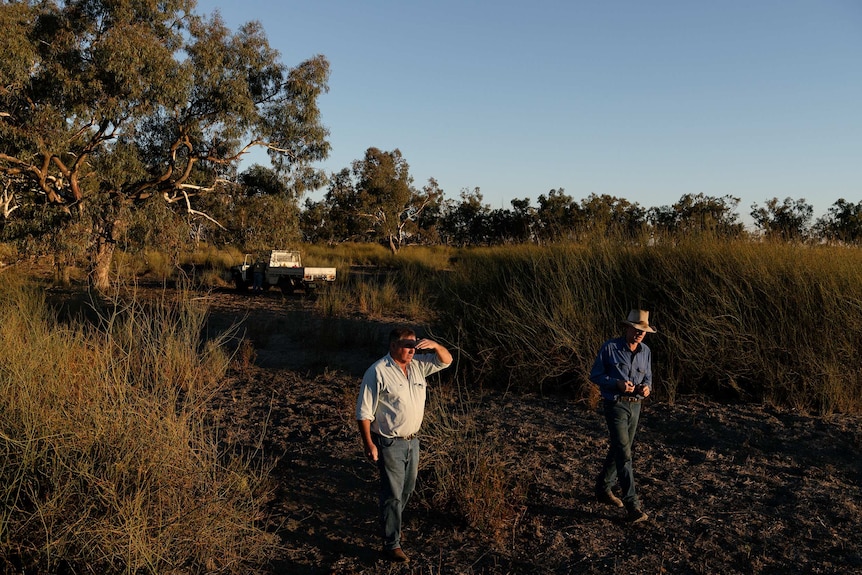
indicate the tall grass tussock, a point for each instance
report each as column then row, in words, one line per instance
column 772, row 323
column 110, row 463
column 463, row 469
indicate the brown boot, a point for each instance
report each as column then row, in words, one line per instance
column 396, row 555
column 635, row 515
column 608, row 498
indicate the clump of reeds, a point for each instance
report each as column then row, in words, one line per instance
column 464, row 473
column 110, row 462
column 407, row 289
column 741, row 321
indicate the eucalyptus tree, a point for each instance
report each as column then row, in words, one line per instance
column 387, row 200
column 513, row 226
column 612, row 217
column 263, row 211
column 313, row 222
column 373, row 201
column 698, row 214
column 788, row 220
column 424, row 223
column 107, row 103
column 558, row 216
column 335, row 218
column 843, row 222
column 467, row 222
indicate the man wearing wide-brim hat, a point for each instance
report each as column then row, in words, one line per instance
column 623, row 372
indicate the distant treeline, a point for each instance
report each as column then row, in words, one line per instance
column 559, row 217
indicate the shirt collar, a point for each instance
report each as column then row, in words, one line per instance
column 390, row 361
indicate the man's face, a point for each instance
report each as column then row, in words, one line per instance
column 634, row 335
column 403, row 350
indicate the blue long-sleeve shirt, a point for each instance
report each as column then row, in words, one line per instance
column 616, row 361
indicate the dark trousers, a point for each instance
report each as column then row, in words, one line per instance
column 622, row 420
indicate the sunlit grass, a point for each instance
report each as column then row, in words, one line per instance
column 532, row 316
column 738, row 321
column 110, row 464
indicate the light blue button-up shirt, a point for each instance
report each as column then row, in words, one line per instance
column 395, row 404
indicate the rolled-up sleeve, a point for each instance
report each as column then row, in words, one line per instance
column 366, row 401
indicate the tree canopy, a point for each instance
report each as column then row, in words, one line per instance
column 374, row 201
column 788, row 220
column 104, row 104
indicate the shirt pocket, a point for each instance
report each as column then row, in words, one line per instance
column 419, row 388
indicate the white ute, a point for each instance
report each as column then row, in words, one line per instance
column 283, row 269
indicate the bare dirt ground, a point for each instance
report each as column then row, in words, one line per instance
column 728, row 488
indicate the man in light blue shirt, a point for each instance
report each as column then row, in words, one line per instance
column 623, row 372
column 389, row 411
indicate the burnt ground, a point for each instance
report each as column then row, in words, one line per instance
column 729, row 488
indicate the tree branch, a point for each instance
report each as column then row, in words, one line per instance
column 189, row 208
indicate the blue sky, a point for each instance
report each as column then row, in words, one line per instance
column 643, row 100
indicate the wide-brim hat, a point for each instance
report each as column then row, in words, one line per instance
column 639, row 319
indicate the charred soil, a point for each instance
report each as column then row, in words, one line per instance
column 728, row 488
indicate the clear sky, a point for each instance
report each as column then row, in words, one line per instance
column 643, row 100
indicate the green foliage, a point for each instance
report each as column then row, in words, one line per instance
column 107, row 104
column 265, row 222
column 613, row 218
column 384, row 186
column 375, row 202
column 697, row 215
column 843, row 223
column 155, row 225
column 468, row 222
column 110, row 462
column 557, row 216
column 258, row 180
column 786, row 221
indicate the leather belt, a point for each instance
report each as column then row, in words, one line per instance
column 405, row 438
column 629, row 398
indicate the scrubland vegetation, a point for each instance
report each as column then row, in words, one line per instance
column 112, row 460
column 767, row 322
column 120, row 162
column 109, row 461
column 738, row 321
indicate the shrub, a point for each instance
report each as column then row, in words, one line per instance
column 466, row 472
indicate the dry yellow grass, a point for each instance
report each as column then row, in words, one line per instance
column 109, row 461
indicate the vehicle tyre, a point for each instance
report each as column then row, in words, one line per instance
column 311, row 291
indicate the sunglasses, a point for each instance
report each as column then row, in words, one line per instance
column 406, row 343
